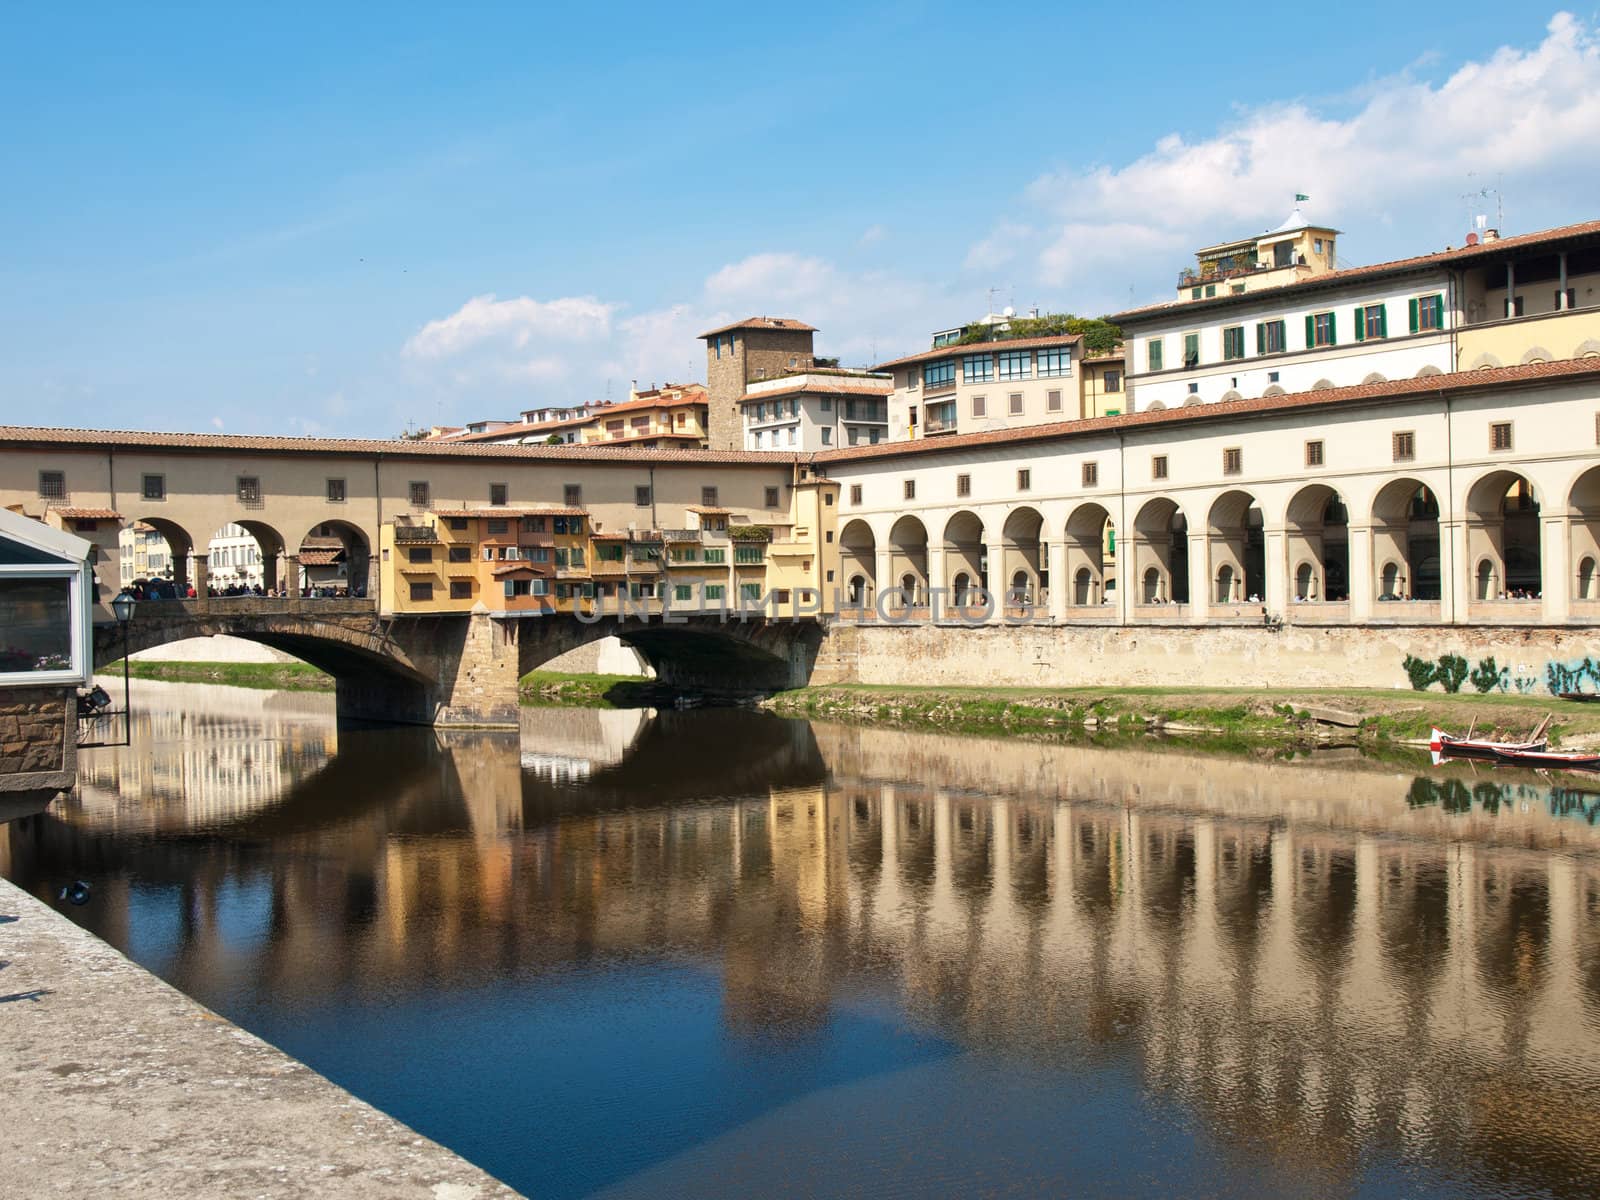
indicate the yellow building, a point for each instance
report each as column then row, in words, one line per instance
column 1100, row 383
column 673, row 415
column 1294, row 251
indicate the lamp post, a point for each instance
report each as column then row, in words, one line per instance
column 123, row 608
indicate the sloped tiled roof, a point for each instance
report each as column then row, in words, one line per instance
column 761, row 323
column 88, row 514
column 1061, row 339
column 1396, row 389
column 823, row 387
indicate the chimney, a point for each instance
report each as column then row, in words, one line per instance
column 1490, row 235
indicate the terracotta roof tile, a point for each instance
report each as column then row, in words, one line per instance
column 1397, row 389
column 1063, row 339
column 88, row 514
column 762, row 323
column 319, row 557
column 840, row 387
column 210, row 443
column 1398, row 266
column 502, row 511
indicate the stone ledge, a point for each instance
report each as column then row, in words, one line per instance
column 119, row 1085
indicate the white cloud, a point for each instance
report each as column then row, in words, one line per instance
column 516, row 321
column 1391, row 170
column 872, row 235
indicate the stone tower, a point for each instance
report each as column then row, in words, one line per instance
column 741, row 353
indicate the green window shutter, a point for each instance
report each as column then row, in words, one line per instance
column 1311, row 331
column 1438, row 312
column 1383, row 320
column 1413, row 306
column 1361, row 324
column 510, row 589
column 1333, row 337
column 1261, row 337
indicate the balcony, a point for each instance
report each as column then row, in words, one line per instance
column 413, row 534
column 940, row 424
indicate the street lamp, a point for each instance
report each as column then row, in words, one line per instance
column 123, row 608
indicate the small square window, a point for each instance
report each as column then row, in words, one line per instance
column 1233, row 461
column 963, row 485
column 1014, row 402
column 1024, row 479
column 249, row 491
column 708, row 497
column 1313, row 454
column 1158, row 467
column 1091, row 474
column 979, row 404
column 460, row 554
column 419, row 493
column 572, row 495
column 1500, row 435
column 498, row 527
column 497, row 495
column 422, row 591
column 910, row 487
column 153, row 487
column 1052, row 400
column 459, row 524
column 52, row 485
column 641, row 496
column 827, row 499
column 336, row 493
column 461, row 589
column 772, row 497
column 1405, row 446
column 855, row 488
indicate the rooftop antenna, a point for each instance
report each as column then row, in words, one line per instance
column 990, row 309
column 1471, row 199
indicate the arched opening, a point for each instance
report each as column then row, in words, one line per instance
column 908, row 555
column 1234, row 540
column 1091, row 547
column 1584, row 532
column 1503, row 532
column 1405, row 536
column 245, row 558
column 335, row 559
column 156, row 559
column 1025, row 570
column 961, row 589
column 964, row 553
column 1161, row 545
column 858, row 562
column 1317, row 526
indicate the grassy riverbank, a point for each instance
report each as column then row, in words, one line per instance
column 1247, row 714
column 558, row 689
column 293, row 677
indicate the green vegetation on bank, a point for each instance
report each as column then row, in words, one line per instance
column 1246, row 715
column 294, row 676
column 558, row 689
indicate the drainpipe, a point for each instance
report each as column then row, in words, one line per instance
column 1450, row 498
column 1124, row 604
column 654, row 523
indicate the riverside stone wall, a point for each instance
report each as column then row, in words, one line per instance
column 38, row 739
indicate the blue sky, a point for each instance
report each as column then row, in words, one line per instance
column 325, row 219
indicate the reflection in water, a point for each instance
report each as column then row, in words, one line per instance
column 718, row 953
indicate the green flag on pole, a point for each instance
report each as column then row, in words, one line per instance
column 1299, row 196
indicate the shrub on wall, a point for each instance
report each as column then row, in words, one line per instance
column 1452, row 672
column 1487, row 675
column 1420, row 671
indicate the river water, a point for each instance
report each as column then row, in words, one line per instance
column 718, row 953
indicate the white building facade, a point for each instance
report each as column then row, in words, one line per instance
column 984, row 386
column 818, row 410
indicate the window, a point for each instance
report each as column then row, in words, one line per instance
column 1514, row 306
column 419, row 554
column 715, row 591
column 1427, row 313
column 1024, row 479
column 52, row 485
column 855, row 488
column 421, row 591
column 641, row 496
column 1211, row 290
column 749, row 591
column 572, row 495
column 459, row 523
column 979, row 404
column 827, row 435
column 827, row 404
column 153, row 487
column 1191, row 350
column 539, row 554
column 963, row 485
column 1372, row 322
column 682, row 591
column 460, row 589
column 533, row 524
column 685, row 554
column 498, row 526
column 772, row 497
column 977, row 368
column 1055, row 362
column 497, row 495
column 1113, row 381
column 1567, row 299
column 1500, row 435
column 517, row 587
column 1233, row 461
column 1014, row 404
column 1270, row 338
column 419, row 493
column 1405, row 446
column 939, row 374
column 1314, row 454
column 460, row 553
column 1052, row 400
column 1091, row 474
column 1233, row 342
column 1152, row 353
column 910, row 488
column 336, row 491
column 716, row 555
column 1016, row 364
column 911, row 379
column 1320, row 330
column 708, row 497
column 249, row 490
column 1158, row 467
